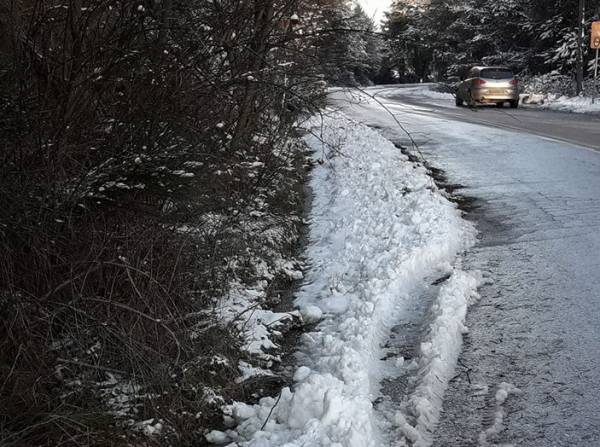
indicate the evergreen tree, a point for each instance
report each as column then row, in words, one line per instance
column 447, row 36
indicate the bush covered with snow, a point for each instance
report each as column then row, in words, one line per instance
column 557, row 92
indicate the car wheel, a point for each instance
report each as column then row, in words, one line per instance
column 514, row 104
column 459, row 102
column 499, row 105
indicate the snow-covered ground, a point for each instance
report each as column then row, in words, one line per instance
column 416, row 91
column 379, row 231
column 577, row 104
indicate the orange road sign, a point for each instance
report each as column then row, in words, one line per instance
column 595, row 39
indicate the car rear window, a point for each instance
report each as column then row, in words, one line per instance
column 496, row 73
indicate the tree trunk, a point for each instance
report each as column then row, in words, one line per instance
column 580, row 37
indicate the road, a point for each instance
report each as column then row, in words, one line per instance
column 532, row 182
column 580, row 129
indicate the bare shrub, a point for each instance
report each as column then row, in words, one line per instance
column 137, row 139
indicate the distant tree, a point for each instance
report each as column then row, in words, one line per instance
column 348, row 47
column 409, row 42
column 446, row 36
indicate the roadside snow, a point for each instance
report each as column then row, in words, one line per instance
column 578, row 104
column 420, row 90
column 504, row 390
column 243, row 308
column 379, row 228
column 439, row 354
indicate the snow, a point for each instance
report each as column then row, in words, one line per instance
column 311, row 314
column 418, row 91
column 533, row 98
column 577, row 104
column 242, row 308
column 249, row 371
column 217, row 437
column 149, row 427
column 439, row 354
column 379, row 228
column 301, row 374
column 502, row 393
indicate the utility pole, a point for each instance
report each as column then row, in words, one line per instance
column 580, row 37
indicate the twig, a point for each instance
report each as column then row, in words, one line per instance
column 89, row 365
column 271, row 412
column 12, row 369
column 467, row 370
column 142, row 314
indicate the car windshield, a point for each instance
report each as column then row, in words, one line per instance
column 496, row 73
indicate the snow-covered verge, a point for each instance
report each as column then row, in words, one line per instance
column 420, row 410
column 550, row 101
column 430, row 91
column 379, row 229
column 554, row 91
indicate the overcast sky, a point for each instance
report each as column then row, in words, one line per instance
column 375, row 8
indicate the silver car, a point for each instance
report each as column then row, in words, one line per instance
column 488, row 85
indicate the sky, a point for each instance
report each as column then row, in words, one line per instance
column 375, row 8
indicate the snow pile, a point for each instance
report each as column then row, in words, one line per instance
column 555, row 91
column 577, row 104
column 421, row 90
column 379, row 227
column 439, row 354
column 533, row 98
column 504, row 390
column 243, row 308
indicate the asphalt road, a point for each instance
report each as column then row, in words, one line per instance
column 532, row 182
column 575, row 128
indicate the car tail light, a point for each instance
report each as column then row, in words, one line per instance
column 514, row 82
column 479, row 82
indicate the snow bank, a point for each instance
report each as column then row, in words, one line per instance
column 423, row 90
column 578, row 104
column 438, row 357
column 379, row 227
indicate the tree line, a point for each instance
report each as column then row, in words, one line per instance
column 441, row 38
